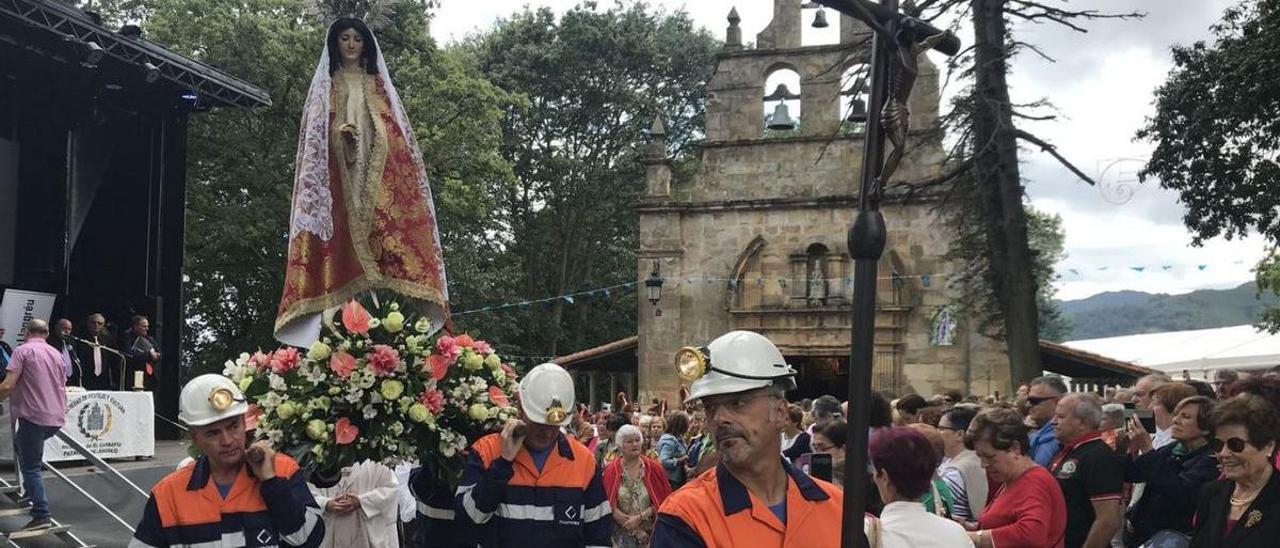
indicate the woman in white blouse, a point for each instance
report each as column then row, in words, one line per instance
column 904, row 462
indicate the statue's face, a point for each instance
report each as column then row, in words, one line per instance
column 351, row 44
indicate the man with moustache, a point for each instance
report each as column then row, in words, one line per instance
column 62, row 342
column 753, row 497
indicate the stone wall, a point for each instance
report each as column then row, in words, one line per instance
column 732, row 244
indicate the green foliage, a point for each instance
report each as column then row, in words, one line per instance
column 1216, row 131
column 594, row 80
column 1046, row 237
column 529, row 135
column 241, row 162
column 1267, row 278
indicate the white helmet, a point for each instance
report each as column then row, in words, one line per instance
column 546, row 395
column 737, row 361
column 210, row 398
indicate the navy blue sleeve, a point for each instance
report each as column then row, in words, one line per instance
column 150, row 532
column 293, row 511
column 480, row 489
column 597, row 514
column 673, row 532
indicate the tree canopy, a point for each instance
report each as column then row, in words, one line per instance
column 1217, row 135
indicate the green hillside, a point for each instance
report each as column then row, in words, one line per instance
column 1128, row 312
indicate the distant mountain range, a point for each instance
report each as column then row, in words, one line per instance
column 1118, row 313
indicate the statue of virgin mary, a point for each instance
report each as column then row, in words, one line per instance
column 362, row 215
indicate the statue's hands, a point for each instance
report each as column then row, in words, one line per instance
column 350, row 140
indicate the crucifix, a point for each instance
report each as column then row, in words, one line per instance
column 899, row 42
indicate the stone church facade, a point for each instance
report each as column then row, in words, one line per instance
column 756, row 240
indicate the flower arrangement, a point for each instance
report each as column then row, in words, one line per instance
column 378, row 389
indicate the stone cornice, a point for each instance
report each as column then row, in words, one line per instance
column 830, row 202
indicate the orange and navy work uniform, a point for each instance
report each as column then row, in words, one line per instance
column 516, row 504
column 716, row 510
column 186, row 509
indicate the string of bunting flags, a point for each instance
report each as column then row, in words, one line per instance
column 926, row 280
column 1081, row 271
column 606, row 292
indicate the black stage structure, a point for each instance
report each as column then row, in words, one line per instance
column 93, row 152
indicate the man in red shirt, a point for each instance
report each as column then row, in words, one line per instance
column 36, row 378
column 1090, row 473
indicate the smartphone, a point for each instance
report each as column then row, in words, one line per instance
column 1128, row 410
column 1147, row 418
column 820, row 466
column 802, row 462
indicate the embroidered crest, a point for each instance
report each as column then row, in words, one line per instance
column 1067, row 469
column 1254, row 517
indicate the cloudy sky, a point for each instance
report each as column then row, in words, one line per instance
column 1101, row 84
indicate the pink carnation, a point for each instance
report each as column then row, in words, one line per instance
column 498, row 396
column 383, row 359
column 342, row 364
column 260, row 361
column 434, row 400
column 482, row 348
column 284, row 360
column 448, row 347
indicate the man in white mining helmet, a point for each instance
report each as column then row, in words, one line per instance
column 233, row 494
column 741, row 381
column 530, row 485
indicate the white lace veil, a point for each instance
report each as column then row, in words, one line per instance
column 312, row 208
column 312, row 201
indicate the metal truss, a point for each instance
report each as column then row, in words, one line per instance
column 211, row 84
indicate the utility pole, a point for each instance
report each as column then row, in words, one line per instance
column 898, row 40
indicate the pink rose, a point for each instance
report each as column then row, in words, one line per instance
column 509, row 371
column 434, row 400
column 344, row 432
column 448, row 347
column 342, row 364
column 383, row 359
column 498, row 396
column 439, row 366
column 284, row 360
column 355, row 318
column 482, row 348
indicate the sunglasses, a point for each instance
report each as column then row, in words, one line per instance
column 1037, row 400
column 1236, row 445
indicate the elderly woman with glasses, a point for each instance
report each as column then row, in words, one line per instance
column 636, row 486
column 1242, row 510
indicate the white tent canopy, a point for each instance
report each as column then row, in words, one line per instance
column 1198, row 353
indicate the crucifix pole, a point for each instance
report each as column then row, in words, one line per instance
column 892, row 32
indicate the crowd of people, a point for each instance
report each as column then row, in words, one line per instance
column 1162, row 464
column 94, row 358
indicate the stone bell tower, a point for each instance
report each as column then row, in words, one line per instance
column 756, row 240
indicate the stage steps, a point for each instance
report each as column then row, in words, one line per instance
column 14, row 514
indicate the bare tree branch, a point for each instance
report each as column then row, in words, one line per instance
column 1053, row 151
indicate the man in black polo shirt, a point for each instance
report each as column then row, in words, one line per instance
column 1090, row 473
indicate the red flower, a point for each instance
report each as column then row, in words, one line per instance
column 498, row 396
column 439, row 366
column 284, row 360
column 465, row 341
column 355, row 318
column 383, row 359
column 344, row 432
column 434, row 400
column 342, row 363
